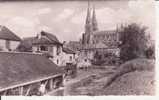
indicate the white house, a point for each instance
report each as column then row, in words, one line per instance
column 8, row 40
column 47, row 44
column 68, row 56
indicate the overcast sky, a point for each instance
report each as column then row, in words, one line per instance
column 66, row 19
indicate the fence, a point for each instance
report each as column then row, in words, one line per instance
column 32, row 88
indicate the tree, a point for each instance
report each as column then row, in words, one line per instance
column 133, row 41
column 150, row 52
column 24, row 47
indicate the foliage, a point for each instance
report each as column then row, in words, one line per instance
column 24, row 47
column 150, row 52
column 133, row 40
column 97, row 59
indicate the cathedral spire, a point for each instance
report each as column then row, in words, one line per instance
column 88, row 26
column 94, row 20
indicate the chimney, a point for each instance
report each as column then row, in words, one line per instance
column 64, row 43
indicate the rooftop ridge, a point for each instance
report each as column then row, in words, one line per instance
column 15, row 52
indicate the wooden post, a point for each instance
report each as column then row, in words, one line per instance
column 51, row 85
column 5, row 92
column 55, row 83
column 45, row 85
column 46, row 82
column 21, row 90
column 28, row 90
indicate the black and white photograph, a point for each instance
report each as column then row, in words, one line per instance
column 77, row 48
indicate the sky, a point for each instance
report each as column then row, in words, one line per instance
column 66, row 19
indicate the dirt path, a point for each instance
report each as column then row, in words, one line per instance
column 86, row 83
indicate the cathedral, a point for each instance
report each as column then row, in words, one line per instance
column 93, row 40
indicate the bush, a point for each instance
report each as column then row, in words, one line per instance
column 150, row 52
column 133, row 41
column 98, row 62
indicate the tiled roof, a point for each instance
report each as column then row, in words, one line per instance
column 6, row 34
column 68, row 51
column 46, row 38
column 19, row 68
column 43, row 40
column 52, row 37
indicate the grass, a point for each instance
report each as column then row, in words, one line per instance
column 132, row 78
column 133, row 83
column 130, row 66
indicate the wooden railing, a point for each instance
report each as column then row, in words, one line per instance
column 32, row 87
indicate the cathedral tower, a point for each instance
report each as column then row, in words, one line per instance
column 88, row 24
column 94, row 21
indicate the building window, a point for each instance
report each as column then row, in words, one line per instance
column 57, row 61
column 8, row 45
column 43, row 48
column 85, row 53
column 70, row 58
column 58, row 50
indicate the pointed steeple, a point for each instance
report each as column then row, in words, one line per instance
column 94, row 20
column 88, row 24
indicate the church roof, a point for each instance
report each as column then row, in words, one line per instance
column 100, row 45
column 19, row 68
column 7, row 34
column 104, row 32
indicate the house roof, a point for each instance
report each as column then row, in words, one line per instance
column 46, row 38
column 50, row 36
column 6, row 34
column 43, row 40
column 19, row 68
column 68, row 51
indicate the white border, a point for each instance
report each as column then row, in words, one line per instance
column 105, row 97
